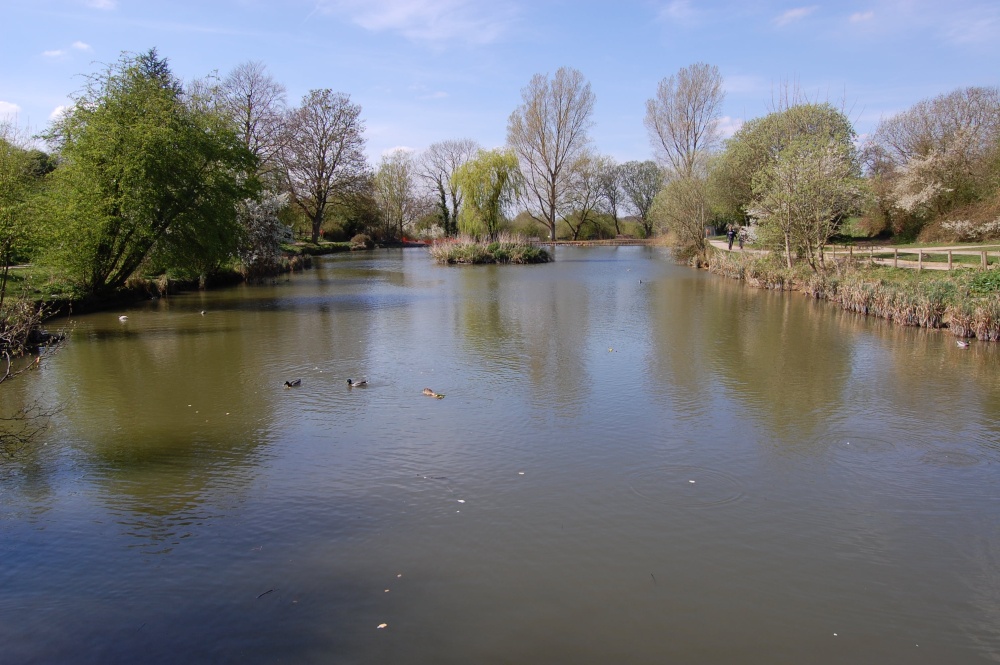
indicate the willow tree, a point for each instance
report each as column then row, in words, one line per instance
column 548, row 133
column 142, row 171
column 490, row 183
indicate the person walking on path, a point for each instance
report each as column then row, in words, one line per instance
column 741, row 234
column 730, row 235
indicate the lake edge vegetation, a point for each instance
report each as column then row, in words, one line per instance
column 966, row 301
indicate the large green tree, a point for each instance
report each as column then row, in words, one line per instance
column 758, row 143
column 20, row 177
column 17, row 181
column 801, row 197
column 141, row 172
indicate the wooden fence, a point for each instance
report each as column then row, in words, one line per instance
column 878, row 255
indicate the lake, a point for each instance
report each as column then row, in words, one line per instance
column 634, row 462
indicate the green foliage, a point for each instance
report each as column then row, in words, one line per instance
column 758, row 143
column 144, row 176
column 489, row 182
column 682, row 208
column 18, row 184
column 985, row 283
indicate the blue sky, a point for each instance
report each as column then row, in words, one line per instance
column 430, row 70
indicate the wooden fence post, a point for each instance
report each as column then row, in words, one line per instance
column 920, row 259
column 983, row 260
column 895, row 257
column 949, row 259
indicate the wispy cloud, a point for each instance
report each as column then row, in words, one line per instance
column 60, row 52
column 105, row 5
column 677, row 11
column 974, row 29
column 861, row 17
column 440, row 94
column 430, row 21
column 793, row 15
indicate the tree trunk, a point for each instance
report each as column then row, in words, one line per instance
column 317, row 222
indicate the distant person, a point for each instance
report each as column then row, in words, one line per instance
column 730, row 235
column 741, row 235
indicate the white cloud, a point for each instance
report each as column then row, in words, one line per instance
column 8, row 110
column 101, row 4
column 437, row 21
column 398, row 148
column 58, row 112
column 860, row 17
column 729, row 126
column 54, row 54
column 793, row 15
column 81, row 46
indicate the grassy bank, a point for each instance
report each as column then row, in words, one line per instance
column 966, row 302
column 505, row 249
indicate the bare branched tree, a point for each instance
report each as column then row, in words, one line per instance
column 322, row 155
column 437, row 167
column 683, row 118
column 256, row 102
column 641, row 182
column 394, row 192
column 586, row 191
column 548, row 132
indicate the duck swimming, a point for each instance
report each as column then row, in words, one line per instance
column 431, row 393
column 294, row 383
column 351, row 383
column 962, row 344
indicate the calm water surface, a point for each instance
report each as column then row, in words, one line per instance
column 635, row 463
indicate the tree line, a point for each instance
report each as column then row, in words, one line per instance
column 149, row 175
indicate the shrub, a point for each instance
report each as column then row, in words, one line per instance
column 362, row 241
column 505, row 249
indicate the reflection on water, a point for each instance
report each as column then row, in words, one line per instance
column 634, row 462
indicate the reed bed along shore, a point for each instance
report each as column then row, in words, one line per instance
column 506, row 248
column 966, row 302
